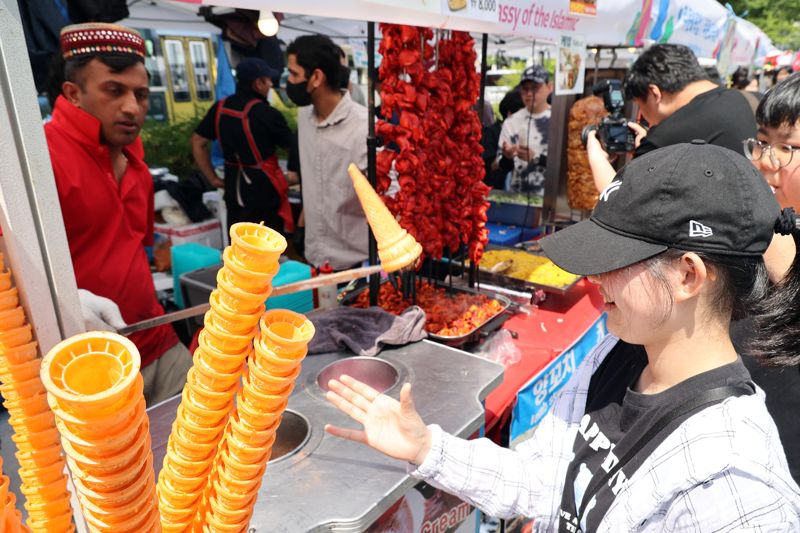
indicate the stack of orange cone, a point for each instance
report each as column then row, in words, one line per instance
column 243, row 285
column 42, row 466
column 396, row 247
column 10, row 517
column 95, row 391
column 272, row 370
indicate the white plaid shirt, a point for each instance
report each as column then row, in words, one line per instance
column 723, row 469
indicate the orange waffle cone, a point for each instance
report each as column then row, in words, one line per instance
column 12, row 338
column 222, row 338
column 268, row 382
column 396, row 247
column 5, row 280
column 236, row 297
column 285, row 333
column 208, row 397
column 245, row 321
column 225, row 351
column 30, row 406
column 249, row 280
column 90, row 378
column 11, row 318
column 210, row 378
column 235, row 325
column 256, row 246
column 202, row 415
column 9, row 299
column 261, row 418
column 19, row 354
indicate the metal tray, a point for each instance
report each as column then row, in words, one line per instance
column 493, row 323
column 501, row 280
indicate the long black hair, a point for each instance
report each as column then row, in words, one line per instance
column 777, row 321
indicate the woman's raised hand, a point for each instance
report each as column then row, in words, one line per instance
column 391, row 427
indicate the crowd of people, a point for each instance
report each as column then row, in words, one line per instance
column 674, row 422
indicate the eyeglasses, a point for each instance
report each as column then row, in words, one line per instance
column 780, row 154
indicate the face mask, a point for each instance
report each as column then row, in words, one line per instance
column 297, row 93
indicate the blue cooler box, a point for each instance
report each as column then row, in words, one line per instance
column 504, row 235
column 187, row 258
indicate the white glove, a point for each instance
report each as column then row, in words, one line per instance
column 99, row 313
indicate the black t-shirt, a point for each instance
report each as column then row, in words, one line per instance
column 720, row 116
column 616, row 418
column 782, row 387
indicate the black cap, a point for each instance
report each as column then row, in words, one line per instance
column 536, row 74
column 253, row 68
column 693, row 197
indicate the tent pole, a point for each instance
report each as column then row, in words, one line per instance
column 374, row 279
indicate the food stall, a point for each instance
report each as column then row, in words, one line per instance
column 36, row 250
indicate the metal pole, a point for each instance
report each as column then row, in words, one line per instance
column 473, row 268
column 374, row 280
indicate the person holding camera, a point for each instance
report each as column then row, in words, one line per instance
column 523, row 139
column 680, row 104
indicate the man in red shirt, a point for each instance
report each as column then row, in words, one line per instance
column 106, row 192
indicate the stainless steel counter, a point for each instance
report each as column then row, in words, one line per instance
column 330, row 484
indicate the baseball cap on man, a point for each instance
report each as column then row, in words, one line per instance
column 536, row 74
column 253, row 68
column 694, row 197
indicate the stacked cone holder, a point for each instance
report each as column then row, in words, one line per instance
column 10, row 517
column 243, row 285
column 42, row 467
column 272, row 370
column 95, row 390
column 396, row 247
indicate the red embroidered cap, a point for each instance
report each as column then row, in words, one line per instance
column 100, row 38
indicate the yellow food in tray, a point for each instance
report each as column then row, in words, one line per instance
column 528, row 267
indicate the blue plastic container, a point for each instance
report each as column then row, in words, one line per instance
column 188, row 258
column 299, row 302
column 504, row 235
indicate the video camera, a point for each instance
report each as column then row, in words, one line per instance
column 612, row 131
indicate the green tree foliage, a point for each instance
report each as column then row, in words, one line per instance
column 777, row 18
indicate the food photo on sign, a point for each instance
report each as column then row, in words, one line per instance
column 570, row 65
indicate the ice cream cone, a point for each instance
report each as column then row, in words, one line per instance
column 236, row 297
column 228, row 515
column 232, row 345
column 5, row 280
column 62, row 523
column 19, row 354
column 91, row 371
column 19, row 372
column 248, row 321
column 33, row 442
column 12, row 338
column 30, row 406
column 243, row 454
column 285, row 331
column 33, row 423
column 200, row 414
column 260, row 400
column 256, row 246
column 215, row 524
column 21, row 390
column 39, row 458
column 210, row 377
column 261, row 418
column 231, row 499
column 270, row 383
column 49, row 493
column 248, row 279
column 235, row 325
column 209, row 397
column 11, row 318
column 9, row 299
column 396, row 247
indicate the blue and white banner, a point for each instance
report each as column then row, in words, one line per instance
column 535, row 398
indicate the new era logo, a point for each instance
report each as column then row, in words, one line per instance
column 697, row 229
column 611, row 187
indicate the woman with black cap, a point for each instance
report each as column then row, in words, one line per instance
column 660, row 428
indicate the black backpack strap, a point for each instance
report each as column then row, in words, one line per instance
column 702, row 399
